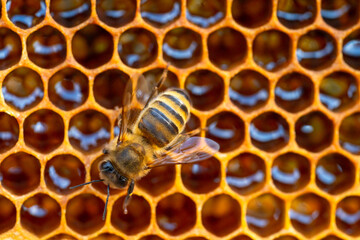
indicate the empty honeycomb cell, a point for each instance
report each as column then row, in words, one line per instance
column 272, row 50
column 348, row 215
column 137, row 47
column 310, row 214
column 89, row 130
column 294, row 92
column 153, row 76
column 20, row 173
column 205, row 88
column 195, row 238
column 201, row 177
column 351, row 49
column 331, row 237
column 227, row 48
column 316, row 50
column 314, row 131
column 205, row 13
column 92, row 46
column 227, row 129
column 295, row 14
column 334, row 173
column 269, row 131
column 10, row 48
column 192, row 123
column 107, row 236
column 63, row 171
column 246, row 173
column 158, row 180
column 116, row 13
column 151, row 237
column 40, row 214
column 249, row 90
column 176, row 214
column 221, row 215
column 286, row 237
column 290, row 172
column 349, row 132
column 9, row 132
column 338, row 91
column 44, row 130
column 70, row 13
column 265, row 214
column 22, row 88
column 340, row 14
column 182, row 47
column 136, row 220
column 84, row 213
column 242, row 237
column 251, row 13
column 68, row 88
column 62, row 236
column 26, row 14
column 109, row 88
column 7, row 214
column 160, row 13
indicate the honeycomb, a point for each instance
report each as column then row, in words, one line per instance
column 275, row 81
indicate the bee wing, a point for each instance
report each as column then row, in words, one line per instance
column 125, row 113
column 193, row 149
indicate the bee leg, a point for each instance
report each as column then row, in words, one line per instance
column 154, row 92
column 128, row 195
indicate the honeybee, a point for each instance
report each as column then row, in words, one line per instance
column 151, row 137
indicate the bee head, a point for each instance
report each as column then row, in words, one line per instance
column 111, row 176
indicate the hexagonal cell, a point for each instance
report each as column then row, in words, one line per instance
column 26, row 14
column 314, row 131
column 151, row 237
column 160, row 13
column 227, row 129
column 22, row 88
column 296, row 14
column 294, row 92
column 335, row 173
column 116, row 13
column 62, row 172
column 7, row 214
column 249, row 90
column 136, row 220
column 310, row 214
column 137, row 47
column 9, row 132
column 40, row 214
column 316, row 50
column 158, row 181
column 182, row 47
column 340, row 14
column 68, row 88
column 265, row 214
column 227, row 48
column 221, row 215
column 92, row 46
column 153, row 76
column 205, row 88
column 70, row 13
column 109, row 88
column 20, row 173
column 42, row 125
column 347, row 215
column 251, row 13
column 205, row 13
column 269, row 132
column 84, row 213
column 89, row 130
column 349, row 132
column 10, row 46
column 351, row 48
column 201, row 177
column 46, row 47
column 62, row 236
column 176, row 214
column 331, row 237
column 290, row 172
column 286, row 237
column 246, row 173
column 241, row 237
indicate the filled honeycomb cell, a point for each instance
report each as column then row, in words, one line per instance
column 205, row 13
column 7, row 214
column 10, row 47
column 26, row 14
column 9, row 132
column 350, row 49
column 340, row 14
column 116, row 13
column 347, row 215
column 160, row 13
column 348, row 132
column 295, row 14
column 251, row 13
column 70, row 13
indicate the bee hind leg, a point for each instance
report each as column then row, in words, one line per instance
column 128, row 195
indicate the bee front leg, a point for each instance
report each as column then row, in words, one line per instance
column 128, row 195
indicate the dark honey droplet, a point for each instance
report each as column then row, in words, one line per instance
column 158, row 181
column 26, row 14
column 340, row 14
column 334, row 173
column 7, row 214
column 22, row 88
column 296, row 14
column 116, row 13
column 62, row 236
column 221, row 215
column 265, row 214
column 251, row 13
column 9, row 132
column 44, row 130
column 349, row 132
column 160, row 13
column 351, row 49
column 10, row 48
column 20, row 173
column 137, row 218
column 70, row 13
column 176, row 214
column 151, row 237
column 40, row 214
column 347, row 215
column 205, row 13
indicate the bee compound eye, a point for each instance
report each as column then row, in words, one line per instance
column 106, row 166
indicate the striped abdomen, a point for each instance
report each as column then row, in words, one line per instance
column 164, row 118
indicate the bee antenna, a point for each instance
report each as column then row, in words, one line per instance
column 93, row 181
column 106, row 202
